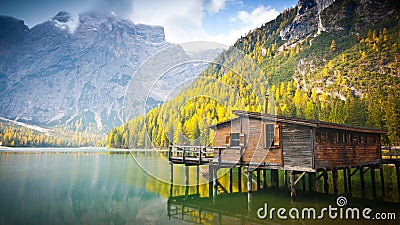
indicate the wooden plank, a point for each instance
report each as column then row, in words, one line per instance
column 296, row 146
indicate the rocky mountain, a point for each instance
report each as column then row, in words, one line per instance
column 71, row 70
column 334, row 61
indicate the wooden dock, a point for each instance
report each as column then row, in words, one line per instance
column 211, row 156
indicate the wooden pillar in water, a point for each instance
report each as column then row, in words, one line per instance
column 171, row 178
column 265, row 178
column 362, row 180
column 285, row 178
column 239, row 169
column 215, row 182
column 335, row 181
column 258, row 180
column 186, row 181
column 372, row 171
column 349, row 180
column 210, row 180
column 311, row 181
column 345, row 181
column 249, row 181
column 274, row 179
column 398, row 178
column 197, row 179
column 326, row 184
column 292, row 186
column 230, row 180
column 303, row 180
column 382, row 182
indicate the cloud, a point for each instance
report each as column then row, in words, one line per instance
column 214, row 6
column 258, row 16
column 248, row 21
column 181, row 19
column 121, row 8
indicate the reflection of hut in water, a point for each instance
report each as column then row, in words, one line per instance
column 261, row 141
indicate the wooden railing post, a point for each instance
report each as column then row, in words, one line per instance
column 183, row 155
column 200, row 149
column 219, row 156
column 170, row 152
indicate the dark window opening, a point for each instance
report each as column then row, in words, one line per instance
column 234, row 139
column 269, row 137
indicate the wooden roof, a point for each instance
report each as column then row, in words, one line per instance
column 302, row 122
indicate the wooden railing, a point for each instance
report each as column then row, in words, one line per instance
column 192, row 154
column 391, row 154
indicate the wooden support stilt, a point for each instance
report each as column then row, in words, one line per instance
column 303, row 181
column 230, row 180
column 197, row 179
column 277, row 179
column 398, row 178
column 274, row 179
column 171, row 173
column 258, row 180
column 335, row 181
column 326, row 184
column 265, row 178
column 382, row 182
column 210, row 180
column 171, row 179
column 372, row 171
column 292, row 186
column 362, row 180
column 285, row 177
column 345, row 181
column 186, row 181
column 249, row 181
column 239, row 169
column 311, row 181
column 215, row 181
column 349, row 180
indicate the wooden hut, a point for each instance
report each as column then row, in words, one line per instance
column 278, row 142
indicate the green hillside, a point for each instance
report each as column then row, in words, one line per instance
column 343, row 77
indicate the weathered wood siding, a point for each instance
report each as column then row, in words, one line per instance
column 354, row 150
column 252, row 143
column 297, row 146
column 223, row 131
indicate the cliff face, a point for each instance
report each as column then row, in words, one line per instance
column 348, row 16
column 67, row 69
column 307, row 20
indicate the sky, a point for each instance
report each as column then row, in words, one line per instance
column 221, row 21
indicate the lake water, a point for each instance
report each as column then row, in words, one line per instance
column 90, row 186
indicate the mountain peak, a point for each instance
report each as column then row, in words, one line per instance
column 65, row 21
column 62, row 17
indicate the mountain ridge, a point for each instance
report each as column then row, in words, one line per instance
column 341, row 68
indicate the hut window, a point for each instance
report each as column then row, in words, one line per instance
column 328, row 137
column 364, row 139
column 338, row 137
column 269, row 135
column 234, row 139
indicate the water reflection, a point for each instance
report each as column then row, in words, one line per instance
column 94, row 187
column 76, row 188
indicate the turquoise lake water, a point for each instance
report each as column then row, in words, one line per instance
column 90, row 186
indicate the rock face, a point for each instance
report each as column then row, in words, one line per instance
column 347, row 16
column 80, row 70
column 307, row 20
column 69, row 68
